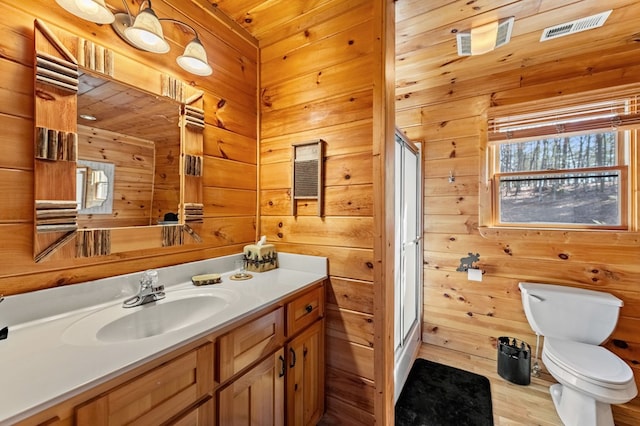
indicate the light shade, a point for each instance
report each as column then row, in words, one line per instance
column 146, row 33
column 194, row 59
column 483, row 39
column 91, row 10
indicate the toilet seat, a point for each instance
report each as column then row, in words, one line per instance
column 619, row 394
column 590, row 363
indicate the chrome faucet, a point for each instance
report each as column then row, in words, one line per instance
column 150, row 291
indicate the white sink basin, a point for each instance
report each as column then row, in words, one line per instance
column 180, row 309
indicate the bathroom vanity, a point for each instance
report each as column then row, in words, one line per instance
column 236, row 350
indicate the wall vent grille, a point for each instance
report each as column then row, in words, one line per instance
column 583, row 24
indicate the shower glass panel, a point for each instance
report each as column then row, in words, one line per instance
column 408, row 259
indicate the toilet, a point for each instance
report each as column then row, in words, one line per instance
column 574, row 322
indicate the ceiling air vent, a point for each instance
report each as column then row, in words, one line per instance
column 583, row 24
column 464, row 44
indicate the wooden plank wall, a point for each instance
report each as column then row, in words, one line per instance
column 468, row 316
column 166, row 179
column 230, row 146
column 316, row 82
column 133, row 160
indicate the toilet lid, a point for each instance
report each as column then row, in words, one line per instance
column 589, row 361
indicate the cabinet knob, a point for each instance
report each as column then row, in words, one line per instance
column 308, row 308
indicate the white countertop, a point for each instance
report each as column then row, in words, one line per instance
column 39, row 368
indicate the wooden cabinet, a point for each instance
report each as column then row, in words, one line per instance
column 156, row 396
column 257, row 396
column 200, row 415
column 305, row 377
column 304, row 310
column 290, row 379
column 250, row 342
column 267, row 369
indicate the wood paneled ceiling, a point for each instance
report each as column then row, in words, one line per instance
column 428, row 67
column 127, row 111
column 427, row 64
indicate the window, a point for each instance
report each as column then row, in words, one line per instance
column 563, row 168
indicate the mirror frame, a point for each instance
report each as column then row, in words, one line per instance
column 58, row 57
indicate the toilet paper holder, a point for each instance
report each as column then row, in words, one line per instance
column 467, row 262
column 474, row 273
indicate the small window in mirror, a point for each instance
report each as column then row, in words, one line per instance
column 94, row 187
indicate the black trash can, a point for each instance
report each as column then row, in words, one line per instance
column 514, row 360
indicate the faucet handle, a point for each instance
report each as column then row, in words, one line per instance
column 149, row 278
column 1, row 297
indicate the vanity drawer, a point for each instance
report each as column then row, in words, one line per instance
column 250, row 342
column 156, row 396
column 305, row 310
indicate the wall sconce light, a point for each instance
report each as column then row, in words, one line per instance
column 90, row 10
column 485, row 38
column 143, row 31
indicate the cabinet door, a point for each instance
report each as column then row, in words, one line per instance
column 305, row 377
column 201, row 415
column 255, row 398
column 250, row 342
column 156, row 396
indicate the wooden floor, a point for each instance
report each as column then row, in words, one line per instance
column 512, row 404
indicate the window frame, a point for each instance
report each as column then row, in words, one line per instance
column 628, row 164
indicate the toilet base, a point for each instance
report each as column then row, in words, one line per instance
column 578, row 409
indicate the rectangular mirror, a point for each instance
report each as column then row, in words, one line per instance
column 118, row 152
column 139, row 134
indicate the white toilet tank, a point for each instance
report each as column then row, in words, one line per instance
column 569, row 313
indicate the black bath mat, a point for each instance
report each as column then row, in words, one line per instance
column 439, row 395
